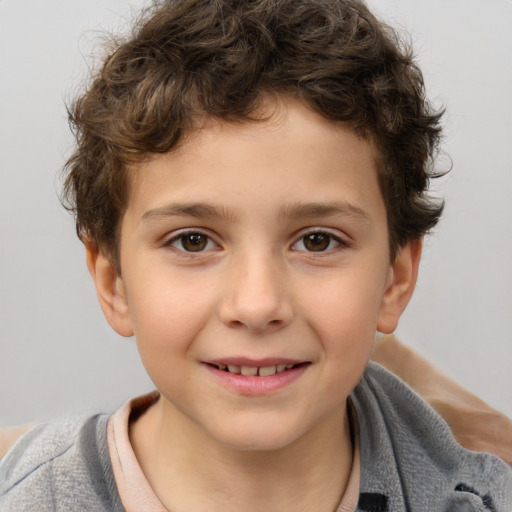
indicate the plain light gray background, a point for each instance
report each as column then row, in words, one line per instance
column 56, row 351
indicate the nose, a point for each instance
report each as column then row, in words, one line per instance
column 256, row 295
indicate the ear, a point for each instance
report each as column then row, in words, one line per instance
column 110, row 290
column 401, row 282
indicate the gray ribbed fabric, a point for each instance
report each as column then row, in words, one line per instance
column 410, row 461
column 62, row 467
column 409, row 455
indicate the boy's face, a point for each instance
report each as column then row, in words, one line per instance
column 257, row 246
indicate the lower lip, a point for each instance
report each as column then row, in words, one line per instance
column 257, row 386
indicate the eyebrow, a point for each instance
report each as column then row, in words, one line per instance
column 331, row 209
column 196, row 210
column 290, row 211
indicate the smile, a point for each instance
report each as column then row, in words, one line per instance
column 260, row 371
column 252, row 377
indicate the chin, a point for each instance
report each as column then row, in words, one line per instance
column 258, row 438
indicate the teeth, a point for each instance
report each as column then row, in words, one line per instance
column 264, row 371
column 249, row 370
column 267, row 371
column 233, row 368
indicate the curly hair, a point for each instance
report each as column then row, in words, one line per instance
column 189, row 59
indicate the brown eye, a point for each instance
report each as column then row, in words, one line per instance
column 316, row 242
column 194, row 242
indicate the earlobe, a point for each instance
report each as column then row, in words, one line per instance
column 109, row 289
column 402, row 280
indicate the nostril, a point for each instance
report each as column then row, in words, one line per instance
column 272, row 324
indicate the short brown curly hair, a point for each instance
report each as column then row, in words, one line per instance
column 187, row 59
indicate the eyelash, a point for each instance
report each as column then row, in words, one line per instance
column 182, row 236
column 208, row 242
column 340, row 242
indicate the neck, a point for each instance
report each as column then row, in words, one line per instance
column 190, row 471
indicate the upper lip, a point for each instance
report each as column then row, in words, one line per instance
column 254, row 363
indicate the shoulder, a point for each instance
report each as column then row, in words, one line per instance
column 41, row 445
column 59, row 466
column 406, row 445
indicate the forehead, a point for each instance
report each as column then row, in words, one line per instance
column 291, row 156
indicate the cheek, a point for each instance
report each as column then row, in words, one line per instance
column 345, row 320
column 347, row 300
column 167, row 314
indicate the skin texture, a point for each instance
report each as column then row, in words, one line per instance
column 252, row 194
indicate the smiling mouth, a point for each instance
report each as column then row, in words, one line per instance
column 256, row 371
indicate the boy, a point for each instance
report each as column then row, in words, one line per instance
column 249, row 183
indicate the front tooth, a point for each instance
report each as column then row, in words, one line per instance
column 233, row 368
column 222, row 366
column 249, row 370
column 281, row 368
column 266, row 371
